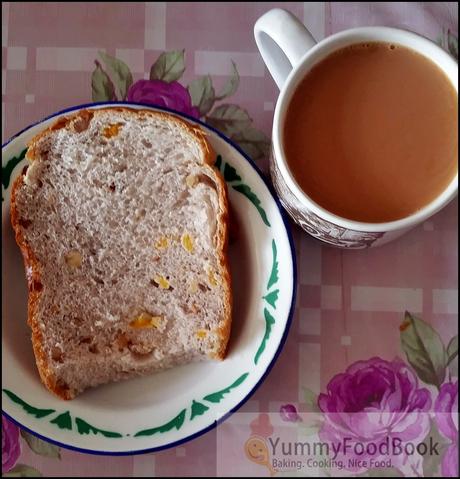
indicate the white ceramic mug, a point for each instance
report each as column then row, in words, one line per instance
column 289, row 51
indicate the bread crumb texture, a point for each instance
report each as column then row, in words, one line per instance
column 122, row 222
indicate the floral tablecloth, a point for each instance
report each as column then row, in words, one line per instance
column 349, row 325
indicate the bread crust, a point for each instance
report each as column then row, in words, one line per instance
column 34, row 279
column 32, row 265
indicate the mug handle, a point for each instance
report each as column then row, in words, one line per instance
column 282, row 40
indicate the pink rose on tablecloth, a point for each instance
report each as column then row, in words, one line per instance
column 375, row 401
column 11, row 447
column 157, row 92
column 288, row 413
column 446, row 415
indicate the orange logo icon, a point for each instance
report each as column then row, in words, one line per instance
column 257, row 451
column 255, row 447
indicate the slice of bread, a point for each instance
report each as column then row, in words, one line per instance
column 122, row 222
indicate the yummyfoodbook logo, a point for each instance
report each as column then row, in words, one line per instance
column 317, row 444
column 278, row 455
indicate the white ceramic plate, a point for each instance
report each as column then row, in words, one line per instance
column 171, row 407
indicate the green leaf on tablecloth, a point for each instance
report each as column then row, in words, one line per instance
column 21, row 470
column 253, row 142
column 431, row 462
column 38, row 413
column 229, row 119
column 230, row 173
column 453, row 368
column 424, row 350
column 169, row 66
column 452, row 355
column 202, row 94
column 121, row 74
column 176, row 422
column 84, row 428
column 309, row 427
column 452, row 349
column 231, row 85
column 447, row 40
column 198, row 409
column 101, row 85
column 254, row 199
column 452, row 44
column 311, row 400
column 63, row 421
column 219, row 395
column 41, row 447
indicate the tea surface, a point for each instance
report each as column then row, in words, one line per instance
column 371, row 132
